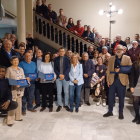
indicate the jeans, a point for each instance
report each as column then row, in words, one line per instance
column 65, row 85
column 118, row 88
column 29, row 97
column 78, row 95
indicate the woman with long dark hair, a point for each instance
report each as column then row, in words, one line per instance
column 70, row 23
column 135, row 88
column 46, row 67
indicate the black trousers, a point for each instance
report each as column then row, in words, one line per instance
column 47, row 89
column 12, row 106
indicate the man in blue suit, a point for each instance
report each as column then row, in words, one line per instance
column 62, row 69
column 88, row 35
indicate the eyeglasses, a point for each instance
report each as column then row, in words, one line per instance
column 119, row 49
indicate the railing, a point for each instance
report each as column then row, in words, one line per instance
column 12, row 15
column 56, row 36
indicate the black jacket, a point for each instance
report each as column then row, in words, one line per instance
column 121, row 43
column 134, row 75
column 53, row 16
column 4, row 58
column 90, row 37
column 38, row 9
column 43, row 9
column 5, row 93
column 30, row 42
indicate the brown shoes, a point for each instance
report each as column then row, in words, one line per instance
column 10, row 125
column 33, row 110
column 23, row 113
column 50, row 109
column 42, row 109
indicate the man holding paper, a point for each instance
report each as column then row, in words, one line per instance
column 30, row 69
column 117, row 79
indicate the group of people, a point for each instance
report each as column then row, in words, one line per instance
column 116, row 67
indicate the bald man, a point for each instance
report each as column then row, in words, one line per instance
column 6, row 53
column 117, row 42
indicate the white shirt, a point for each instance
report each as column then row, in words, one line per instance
column 46, row 68
column 129, row 46
column 74, row 70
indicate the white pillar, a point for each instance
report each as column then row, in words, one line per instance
column 21, row 30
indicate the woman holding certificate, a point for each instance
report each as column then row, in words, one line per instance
column 15, row 72
column 76, row 81
column 46, row 67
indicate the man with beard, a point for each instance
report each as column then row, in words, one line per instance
column 117, row 80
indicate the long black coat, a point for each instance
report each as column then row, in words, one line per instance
column 88, row 68
column 134, row 75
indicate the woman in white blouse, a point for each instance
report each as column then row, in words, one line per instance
column 46, row 67
column 76, row 81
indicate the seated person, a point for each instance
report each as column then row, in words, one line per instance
column 77, row 29
column 88, row 35
column 97, row 39
column 103, row 53
column 99, row 49
column 61, row 19
column 51, row 15
column 6, row 103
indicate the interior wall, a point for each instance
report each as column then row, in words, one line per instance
column 5, row 30
column 126, row 24
column 10, row 5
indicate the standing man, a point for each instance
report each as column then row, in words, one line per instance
column 69, row 54
column 28, row 67
column 117, row 42
column 88, row 70
column 21, row 52
column 90, row 52
column 97, row 39
column 6, row 54
column 117, row 80
column 134, row 51
column 37, row 60
column 88, row 35
column 43, row 8
column 61, row 19
column 62, row 69
column 137, row 38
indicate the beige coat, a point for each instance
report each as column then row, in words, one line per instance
column 10, row 73
column 126, row 61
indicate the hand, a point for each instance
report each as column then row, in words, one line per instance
column 37, row 79
column 44, row 80
column 98, row 81
column 88, row 40
column 54, row 79
column 85, row 75
column 85, row 37
column 117, row 70
column 5, row 105
column 18, row 86
column 132, row 90
column 41, row 14
column 61, row 76
column 108, row 84
column 75, row 81
column 28, row 79
column 75, row 32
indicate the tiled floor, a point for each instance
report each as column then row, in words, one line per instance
column 88, row 124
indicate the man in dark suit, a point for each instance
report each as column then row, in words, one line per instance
column 118, row 41
column 38, row 7
column 6, row 103
column 88, row 35
column 43, row 8
column 90, row 52
column 37, row 60
column 6, row 54
column 62, row 69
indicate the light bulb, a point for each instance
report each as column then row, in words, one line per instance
column 101, row 12
column 120, row 11
column 110, row 3
column 108, row 15
column 113, row 8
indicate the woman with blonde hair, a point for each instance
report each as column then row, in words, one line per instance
column 76, row 81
